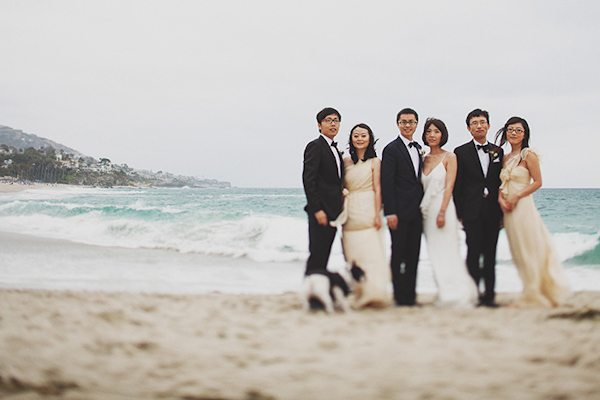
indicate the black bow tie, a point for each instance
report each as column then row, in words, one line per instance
column 415, row 144
column 334, row 144
column 485, row 147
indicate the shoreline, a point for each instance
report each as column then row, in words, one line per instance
column 13, row 187
column 59, row 264
column 6, row 187
column 117, row 346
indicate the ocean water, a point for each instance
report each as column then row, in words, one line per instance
column 228, row 240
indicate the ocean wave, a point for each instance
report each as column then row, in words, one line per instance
column 58, row 192
column 262, row 225
column 572, row 247
column 264, row 238
column 260, row 238
column 587, row 250
column 66, row 209
column 575, row 246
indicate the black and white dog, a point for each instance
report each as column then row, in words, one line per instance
column 326, row 289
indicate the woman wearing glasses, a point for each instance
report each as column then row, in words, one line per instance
column 531, row 246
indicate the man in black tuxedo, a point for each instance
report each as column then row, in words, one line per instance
column 476, row 198
column 402, row 192
column 322, row 178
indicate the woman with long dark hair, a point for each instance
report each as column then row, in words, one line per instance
column 531, row 245
column 361, row 219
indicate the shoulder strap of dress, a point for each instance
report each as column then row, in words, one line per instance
column 524, row 153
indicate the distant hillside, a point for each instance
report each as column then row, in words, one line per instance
column 22, row 140
column 33, row 158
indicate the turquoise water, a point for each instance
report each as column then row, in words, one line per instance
column 256, row 223
column 215, row 229
column 575, row 214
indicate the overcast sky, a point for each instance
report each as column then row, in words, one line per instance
column 229, row 89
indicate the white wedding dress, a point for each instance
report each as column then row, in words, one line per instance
column 456, row 288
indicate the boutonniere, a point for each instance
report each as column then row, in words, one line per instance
column 494, row 153
column 342, row 153
column 422, row 152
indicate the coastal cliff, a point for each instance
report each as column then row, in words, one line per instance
column 28, row 157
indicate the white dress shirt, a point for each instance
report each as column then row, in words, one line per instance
column 413, row 152
column 484, row 158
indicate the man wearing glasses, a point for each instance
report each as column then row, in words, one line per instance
column 402, row 192
column 322, row 177
column 476, row 198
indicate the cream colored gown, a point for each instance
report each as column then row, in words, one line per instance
column 531, row 246
column 362, row 243
column 456, row 288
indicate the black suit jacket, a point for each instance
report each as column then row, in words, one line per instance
column 322, row 184
column 470, row 182
column 401, row 189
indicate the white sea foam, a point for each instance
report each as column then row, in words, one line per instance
column 260, row 238
column 258, row 228
column 265, row 239
column 573, row 244
column 59, row 192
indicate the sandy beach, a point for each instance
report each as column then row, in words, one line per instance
column 131, row 344
column 94, row 345
column 7, row 187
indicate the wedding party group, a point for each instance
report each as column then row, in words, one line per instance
column 433, row 194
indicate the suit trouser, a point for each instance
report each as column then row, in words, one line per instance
column 320, row 240
column 482, row 239
column 406, row 245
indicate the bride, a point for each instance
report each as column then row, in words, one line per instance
column 455, row 286
column 361, row 220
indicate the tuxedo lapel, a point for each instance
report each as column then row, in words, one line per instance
column 490, row 163
column 331, row 158
column 342, row 169
column 493, row 150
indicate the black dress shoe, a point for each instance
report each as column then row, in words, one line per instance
column 404, row 304
column 316, row 304
column 489, row 304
